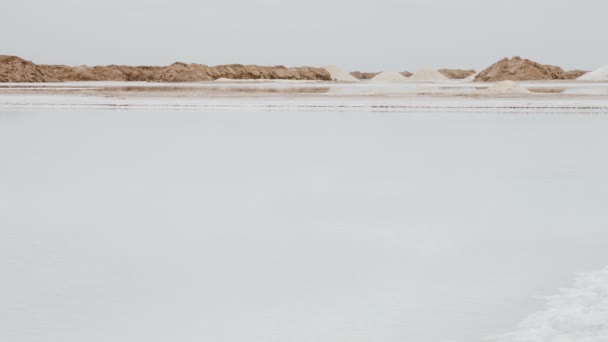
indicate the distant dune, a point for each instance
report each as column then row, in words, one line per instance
column 15, row 69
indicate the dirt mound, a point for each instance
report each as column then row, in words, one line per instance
column 565, row 75
column 519, row 69
column 15, row 69
column 516, row 69
column 182, row 72
column 254, row 72
column 62, row 73
column 457, row 74
column 574, row 74
column 369, row 75
column 364, row 75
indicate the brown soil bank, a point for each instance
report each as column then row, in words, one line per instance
column 519, row 69
column 457, row 74
column 15, row 69
column 369, row 75
column 364, row 75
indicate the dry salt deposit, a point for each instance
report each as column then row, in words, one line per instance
column 600, row 74
column 389, row 76
column 573, row 314
column 428, row 75
column 506, row 87
column 338, row 74
column 471, row 78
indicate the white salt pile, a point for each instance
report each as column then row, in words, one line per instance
column 390, row 76
column 428, row 75
column 506, row 87
column 600, row 74
column 338, row 74
column 471, row 78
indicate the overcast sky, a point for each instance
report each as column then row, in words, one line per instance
column 354, row 34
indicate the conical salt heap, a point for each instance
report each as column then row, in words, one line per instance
column 600, row 74
column 340, row 75
column 428, row 75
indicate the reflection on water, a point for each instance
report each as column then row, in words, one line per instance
column 230, row 88
column 194, row 90
column 285, row 226
column 587, row 91
column 548, row 90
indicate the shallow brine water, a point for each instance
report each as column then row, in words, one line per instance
column 288, row 226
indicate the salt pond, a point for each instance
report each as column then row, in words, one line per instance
column 258, row 225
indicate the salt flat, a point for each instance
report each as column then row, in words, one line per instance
column 302, row 211
column 307, row 95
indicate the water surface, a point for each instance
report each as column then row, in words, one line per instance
column 289, row 226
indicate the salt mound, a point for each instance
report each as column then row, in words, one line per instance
column 600, row 74
column 389, row 76
column 338, row 74
column 576, row 314
column 506, row 87
column 471, row 78
column 428, row 75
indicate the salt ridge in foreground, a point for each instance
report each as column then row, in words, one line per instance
column 577, row 314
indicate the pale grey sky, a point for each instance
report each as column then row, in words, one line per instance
column 355, row 34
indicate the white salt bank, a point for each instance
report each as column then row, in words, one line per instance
column 338, row 74
column 573, row 314
column 600, row 74
column 471, row 78
column 390, row 76
column 506, row 87
column 428, row 75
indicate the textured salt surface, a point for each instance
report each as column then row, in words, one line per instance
column 576, row 314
